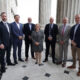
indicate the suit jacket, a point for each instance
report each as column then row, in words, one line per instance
column 54, row 32
column 77, row 35
column 38, row 37
column 66, row 35
column 5, row 36
column 16, row 32
column 27, row 32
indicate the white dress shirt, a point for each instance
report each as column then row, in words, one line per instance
column 30, row 26
column 18, row 25
column 51, row 25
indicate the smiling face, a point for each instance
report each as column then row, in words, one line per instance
column 65, row 20
column 77, row 19
column 37, row 27
column 29, row 20
column 17, row 18
column 4, row 16
column 51, row 20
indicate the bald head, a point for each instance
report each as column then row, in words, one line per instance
column 77, row 18
column 29, row 20
column 65, row 20
column 51, row 20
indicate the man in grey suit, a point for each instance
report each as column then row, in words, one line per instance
column 64, row 34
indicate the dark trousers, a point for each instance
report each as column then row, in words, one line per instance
column 27, row 44
column 48, row 44
column 2, row 61
column 17, row 44
column 8, row 53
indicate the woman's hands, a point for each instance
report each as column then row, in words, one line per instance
column 37, row 43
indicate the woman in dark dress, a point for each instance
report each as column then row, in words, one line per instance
column 37, row 38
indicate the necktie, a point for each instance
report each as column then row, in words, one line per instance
column 50, row 30
column 63, row 30
column 51, row 26
column 7, row 27
column 30, row 26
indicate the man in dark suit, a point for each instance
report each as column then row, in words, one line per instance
column 51, row 30
column 27, row 30
column 75, row 43
column 5, row 34
column 17, row 38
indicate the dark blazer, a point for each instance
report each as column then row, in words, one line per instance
column 4, row 34
column 27, row 32
column 77, row 35
column 15, row 31
column 54, row 32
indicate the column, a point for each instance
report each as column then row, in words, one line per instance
column 61, row 12
column 58, row 10
column 44, row 12
column 68, row 8
column 3, row 6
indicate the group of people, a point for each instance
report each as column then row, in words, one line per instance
column 13, row 34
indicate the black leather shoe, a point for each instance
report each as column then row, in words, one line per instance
column 21, row 60
column 0, row 75
column 36, row 62
column 54, row 62
column 3, row 70
column 45, row 60
column 10, row 64
column 41, row 64
column 15, row 62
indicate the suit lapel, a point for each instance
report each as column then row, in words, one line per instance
column 16, row 26
column 29, row 27
column 66, row 28
column 61, row 29
column 4, row 26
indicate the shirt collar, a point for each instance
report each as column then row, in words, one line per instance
column 29, row 23
column 4, row 22
column 77, row 24
column 65, row 25
column 16, row 23
column 51, row 25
